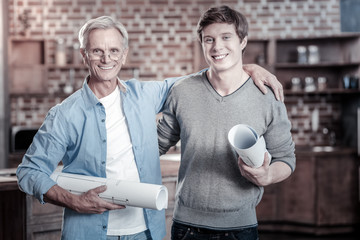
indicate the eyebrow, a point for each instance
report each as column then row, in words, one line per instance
column 100, row 48
column 225, row 33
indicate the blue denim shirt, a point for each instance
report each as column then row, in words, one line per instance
column 74, row 132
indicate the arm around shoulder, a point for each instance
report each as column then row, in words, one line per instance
column 168, row 128
column 263, row 77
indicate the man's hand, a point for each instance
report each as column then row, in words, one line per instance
column 262, row 77
column 88, row 202
column 259, row 176
column 266, row 174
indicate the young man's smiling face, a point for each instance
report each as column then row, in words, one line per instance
column 105, row 54
column 222, row 47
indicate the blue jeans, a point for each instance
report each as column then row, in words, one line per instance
column 138, row 236
column 185, row 232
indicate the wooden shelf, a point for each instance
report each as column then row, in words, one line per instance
column 334, row 37
column 339, row 56
column 289, row 92
column 317, row 65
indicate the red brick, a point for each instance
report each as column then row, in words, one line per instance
column 62, row 3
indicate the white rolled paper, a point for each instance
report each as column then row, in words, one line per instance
column 248, row 145
column 135, row 194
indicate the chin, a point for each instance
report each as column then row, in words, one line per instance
column 107, row 76
column 220, row 68
column 109, row 79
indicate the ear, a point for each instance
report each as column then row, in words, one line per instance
column 125, row 53
column 83, row 54
column 244, row 43
column 82, row 51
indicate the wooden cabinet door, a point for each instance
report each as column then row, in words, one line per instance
column 338, row 190
column 297, row 196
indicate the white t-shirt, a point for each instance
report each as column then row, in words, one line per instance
column 120, row 164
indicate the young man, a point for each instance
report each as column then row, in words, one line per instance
column 217, row 193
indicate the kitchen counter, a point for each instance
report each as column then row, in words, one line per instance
column 8, row 179
column 320, row 197
column 12, row 206
column 324, row 150
column 36, row 219
column 170, row 163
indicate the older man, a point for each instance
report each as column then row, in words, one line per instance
column 105, row 129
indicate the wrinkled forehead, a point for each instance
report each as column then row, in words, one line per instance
column 105, row 38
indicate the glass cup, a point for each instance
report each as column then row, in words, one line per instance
column 322, row 83
column 301, row 54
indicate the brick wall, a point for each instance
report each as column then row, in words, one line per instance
column 162, row 36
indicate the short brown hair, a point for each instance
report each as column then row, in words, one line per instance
column 223, row 14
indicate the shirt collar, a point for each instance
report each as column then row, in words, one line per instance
column 89, row 96
column 122, row 85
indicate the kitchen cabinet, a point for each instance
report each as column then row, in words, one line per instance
column 12, row 209
column 42, row 221
column 27, row 66
column 321, row 196
column 22, row 216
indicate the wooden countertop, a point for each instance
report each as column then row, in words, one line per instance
column 8, row 180
column 170, row 163
column 324, row 150
column 169, row 168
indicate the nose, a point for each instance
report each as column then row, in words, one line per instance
column 218, row 45
column 106, row 58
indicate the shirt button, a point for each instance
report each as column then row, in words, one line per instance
column 104, row 227
column 103, row 120
column 104, row 140
column 103, row 162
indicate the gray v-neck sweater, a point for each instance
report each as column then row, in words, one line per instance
column 211, row 192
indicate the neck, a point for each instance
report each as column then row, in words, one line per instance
column 227, row 82
column 102, row 88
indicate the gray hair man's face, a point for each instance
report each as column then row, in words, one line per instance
column 105, row 54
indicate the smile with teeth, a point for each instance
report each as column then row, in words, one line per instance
column 219, row 57
column 106, row 68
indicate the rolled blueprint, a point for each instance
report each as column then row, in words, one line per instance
column 135, row 194
column 248, row 145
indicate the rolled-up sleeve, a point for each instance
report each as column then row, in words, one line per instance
column 278, row 136
column 42, row 157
